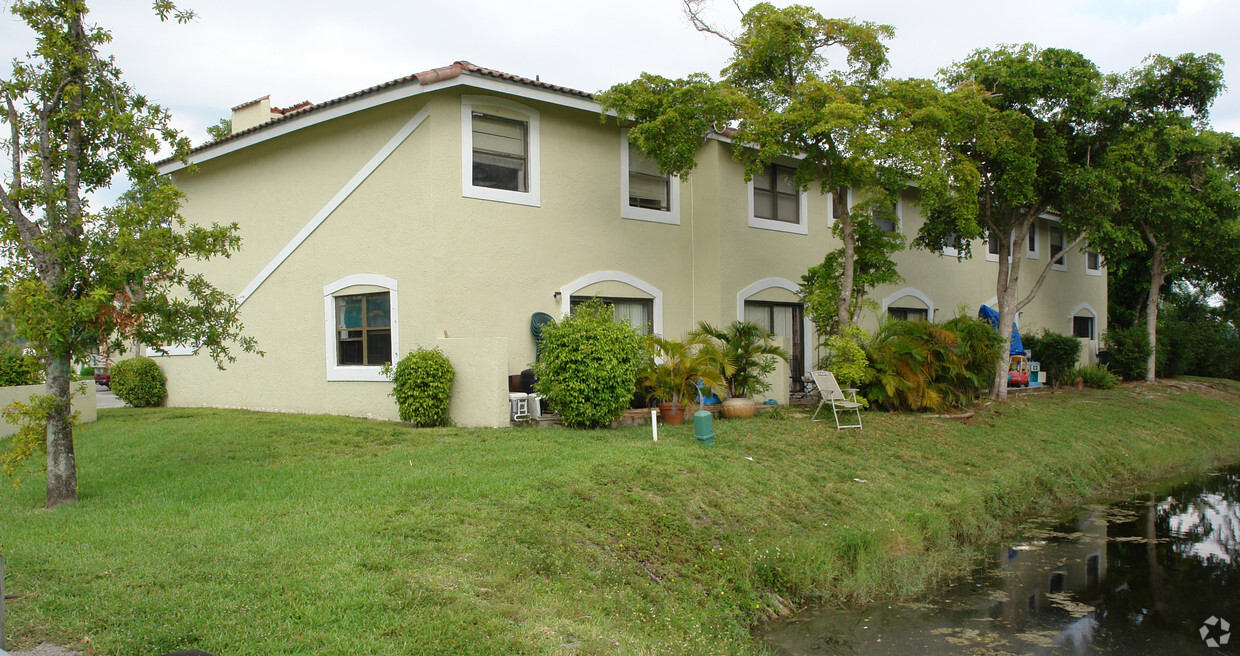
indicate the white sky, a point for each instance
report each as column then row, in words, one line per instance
column 319, row 49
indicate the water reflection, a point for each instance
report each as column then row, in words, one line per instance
column 1141, row 576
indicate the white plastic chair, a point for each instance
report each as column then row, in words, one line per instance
column 831, row 393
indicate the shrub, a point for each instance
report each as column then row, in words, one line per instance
column 139, row 382
column 1057, row 353
column 1094, row 376
column 746, row 356
column 17, row 368
column 846, row 358
column 1130, row 351
column 918, row 365
column 422, row 386
column 589, row 366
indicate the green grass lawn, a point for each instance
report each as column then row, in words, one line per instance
column 245, row 533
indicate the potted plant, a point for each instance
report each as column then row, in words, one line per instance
column 673, row 368
column 746, row 357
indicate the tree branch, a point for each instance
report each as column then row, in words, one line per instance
column 693, row 11
column 16, row 144
column 1046, row 270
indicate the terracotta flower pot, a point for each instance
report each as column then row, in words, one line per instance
column 672, row 413
column 738, row 408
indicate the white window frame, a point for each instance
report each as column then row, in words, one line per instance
column 899, row 207
column 671, row 217
column 1092, row 271
column 831, row 217
column 1032, row 253
column 471, row 104
column 801, row 227
column 952, row 251
column 371, row 373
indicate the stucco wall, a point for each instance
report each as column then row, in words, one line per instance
column 83, row 402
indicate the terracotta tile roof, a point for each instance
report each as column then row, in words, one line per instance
column 424, row 78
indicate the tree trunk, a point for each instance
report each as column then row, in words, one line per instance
column 850, row 257
column 1005, row 298
column 1158, row 273
column 61, row 468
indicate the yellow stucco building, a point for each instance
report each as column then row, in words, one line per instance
column 447, row 207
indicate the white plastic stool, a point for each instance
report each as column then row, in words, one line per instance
column 519, row 405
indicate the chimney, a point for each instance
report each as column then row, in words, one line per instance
column 249, row 114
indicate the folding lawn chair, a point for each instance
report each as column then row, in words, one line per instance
column 831, row 393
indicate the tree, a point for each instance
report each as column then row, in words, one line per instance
column 79, row 278
column 1179, row 204
column 847, row 128
column 1029, row 139
column 873, row 266
column 220, row 130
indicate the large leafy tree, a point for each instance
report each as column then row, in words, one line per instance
column 79, row 278
column 1179, row 204
column 1030, row 137
column 779, row 97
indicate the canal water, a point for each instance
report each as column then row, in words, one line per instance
column 1156, row 574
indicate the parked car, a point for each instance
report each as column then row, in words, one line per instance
column 103, row 376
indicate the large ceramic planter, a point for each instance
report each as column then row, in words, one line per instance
column 672, row 413
column 739, row 408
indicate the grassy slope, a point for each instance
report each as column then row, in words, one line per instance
column 246, row 533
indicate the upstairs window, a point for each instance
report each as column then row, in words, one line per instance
column 887, row 217
column 1093, row 263
column 775, row 195
column 499, row 151
column 648, row 189
column 1055, row 239
column 363, row 330
column 500, row 148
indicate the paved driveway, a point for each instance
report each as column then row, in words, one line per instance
column 106, row 399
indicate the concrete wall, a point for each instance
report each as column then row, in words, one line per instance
column 83, row 402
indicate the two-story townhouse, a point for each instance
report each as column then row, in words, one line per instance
column 447, row 207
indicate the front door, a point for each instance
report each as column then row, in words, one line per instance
column 782, row 320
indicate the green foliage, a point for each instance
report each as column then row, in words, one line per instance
column 422, row 386
column 1096, row 376
column 589, row 366
column 1195, row 338
column 924, row 366
column 872, row 266
column 220, row 130
column 1055, row 352
column 139, row 382
column 673, row 367
column 1129, row 348
column 746, row 356
column 30, row 440
column 845, row 126
column 846, row 357
column 17, row 368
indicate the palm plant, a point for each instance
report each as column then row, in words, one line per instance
column 747, row 356
column 923, row 366
column 673, row 367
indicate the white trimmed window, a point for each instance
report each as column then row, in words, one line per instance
column 646, row 194
column 361, row 328
column 635, row 312
column 992, row 247
column 1055, row 241
column 499, row 151
column 1093, row 263
column 775, row 203
column 952, row 245
column 838, row 205
column 1083, row 326
column 1031, row 247
column 887, row 217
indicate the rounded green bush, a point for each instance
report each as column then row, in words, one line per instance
column 589, row 364
column 139, row 382
column 422, row 387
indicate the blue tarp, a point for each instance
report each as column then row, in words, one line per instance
column 990, row 316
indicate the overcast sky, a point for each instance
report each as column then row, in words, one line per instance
column 238, row 50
